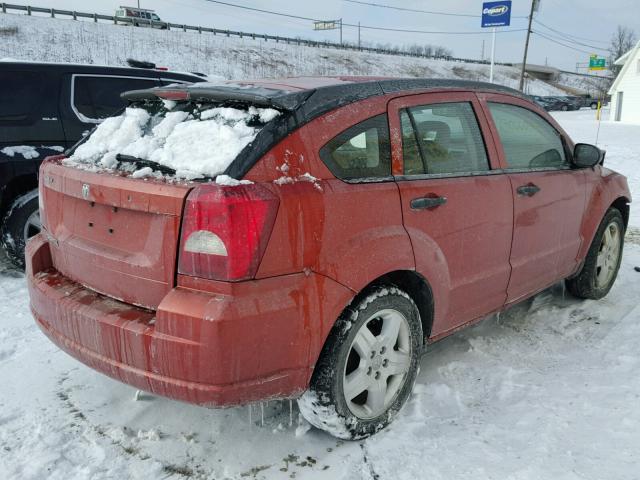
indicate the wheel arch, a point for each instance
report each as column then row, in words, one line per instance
column 622, row 204
column 416, row 286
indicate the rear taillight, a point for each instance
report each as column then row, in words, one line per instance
column 225, row 231
column 43, row 179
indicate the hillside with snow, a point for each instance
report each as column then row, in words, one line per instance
column 34, row 38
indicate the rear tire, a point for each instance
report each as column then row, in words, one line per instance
column 602, row 263
column 21, row 222
column 367, row 367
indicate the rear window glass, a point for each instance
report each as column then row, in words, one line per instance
column 195, row 140
column 96, row 98
column 360, row 152
column 20, row 94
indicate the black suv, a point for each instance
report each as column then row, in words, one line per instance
column 44, row 109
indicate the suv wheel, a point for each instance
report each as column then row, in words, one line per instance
column 20, row 224
column 367, row 367
column 601, row 266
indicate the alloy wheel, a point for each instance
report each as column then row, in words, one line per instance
column 608, row 256
column 377, row 365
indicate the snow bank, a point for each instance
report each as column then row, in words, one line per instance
column 57, row 40
column 194, row 143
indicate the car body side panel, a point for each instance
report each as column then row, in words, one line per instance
column 462, row 247
column 324, row 224
column 546, row 235
column 604, row 186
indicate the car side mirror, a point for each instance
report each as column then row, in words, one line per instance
column 586, row 155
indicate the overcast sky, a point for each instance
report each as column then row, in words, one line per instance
column 590, row 22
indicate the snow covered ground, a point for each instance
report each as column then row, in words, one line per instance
column 548, row 390
column 59, row 40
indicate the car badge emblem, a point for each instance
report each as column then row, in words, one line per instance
column 85, row 191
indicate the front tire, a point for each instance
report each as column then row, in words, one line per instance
column 367, row 367
column 21, row 222
column 602, row 263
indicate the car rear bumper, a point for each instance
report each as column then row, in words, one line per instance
column 245, row 342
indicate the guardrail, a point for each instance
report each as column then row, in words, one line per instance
column 96, row 17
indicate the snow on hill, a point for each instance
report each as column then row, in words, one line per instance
column 580, row 83
column 60, row 40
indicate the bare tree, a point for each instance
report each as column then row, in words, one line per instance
column 623, row 40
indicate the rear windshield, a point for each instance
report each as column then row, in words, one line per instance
column 194, row 140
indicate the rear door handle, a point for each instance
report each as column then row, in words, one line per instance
column 528, row 190
column 426, row 203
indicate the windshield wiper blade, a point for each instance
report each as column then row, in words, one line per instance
column 141, row 163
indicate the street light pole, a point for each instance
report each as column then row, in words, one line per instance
column 526, row 46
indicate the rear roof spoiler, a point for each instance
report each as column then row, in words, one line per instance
column 233, row 94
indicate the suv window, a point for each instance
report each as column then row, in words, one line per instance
column 442, row 138
column 20, row 94
column 361, row 151
column 529, row 141
column 96, row 98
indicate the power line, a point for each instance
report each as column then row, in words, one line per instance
column 560, row 43
column 571, row 37
column 402, row 30
column 355, row 25
column 414, row 10
column 263, row 11
column 573, row 42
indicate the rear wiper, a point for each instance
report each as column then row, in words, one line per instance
column 141, row 163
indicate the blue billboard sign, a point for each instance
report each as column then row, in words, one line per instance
column 496, row 14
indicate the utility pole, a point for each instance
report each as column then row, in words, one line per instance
column 526, row 46
column 358, row 35
column 138, row 4
column 340, row 31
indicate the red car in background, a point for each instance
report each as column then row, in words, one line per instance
column 374, row 216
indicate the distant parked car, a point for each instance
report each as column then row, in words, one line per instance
column 338, row 227
column 563, row 103
column 44, row 109
column 140, row 17
column 551, row 103
column 541, row 101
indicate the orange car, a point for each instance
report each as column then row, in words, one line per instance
column 325, row 232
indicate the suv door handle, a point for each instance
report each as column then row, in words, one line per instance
column 528, row 190
column 426, row 203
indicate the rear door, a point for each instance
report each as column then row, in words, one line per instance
column 29, row 107
column 88, row 99
column 457, row 209
column 549, row 196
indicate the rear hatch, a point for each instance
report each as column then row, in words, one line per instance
column 112, row 208
column 113, row 234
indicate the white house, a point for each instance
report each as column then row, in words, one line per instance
column 625, row 91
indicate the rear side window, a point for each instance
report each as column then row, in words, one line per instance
column 20, row 95
column 528, row 140
column 96, row 98
column 442, row 138
column 361, row 151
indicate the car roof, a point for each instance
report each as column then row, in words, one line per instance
column 61, row 67
column 303, row 98
column 313, row 96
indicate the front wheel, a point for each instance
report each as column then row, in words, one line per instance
column 602, row 263
column 367, row 367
